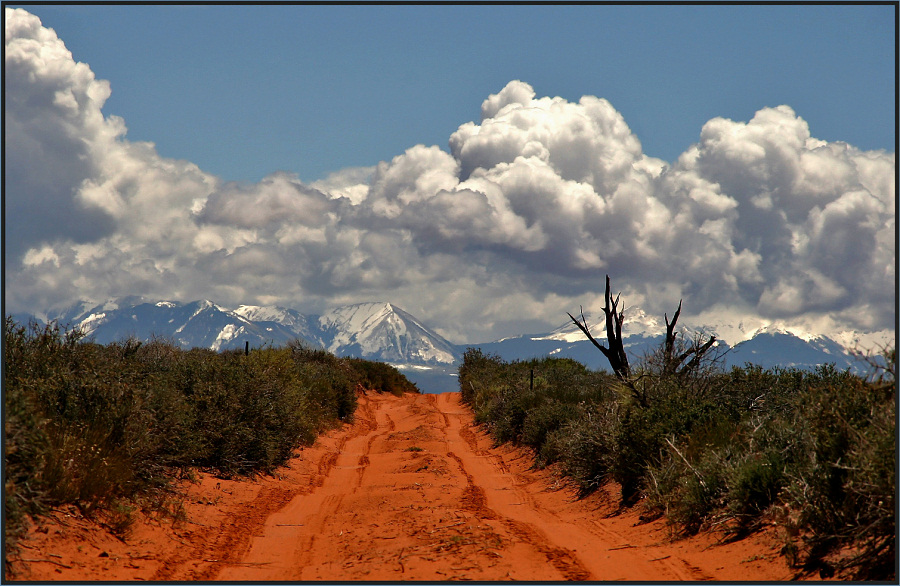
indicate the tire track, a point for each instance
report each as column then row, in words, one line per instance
column 413, row 490
column 515, row 503
column 475, row 499
column 311, row 511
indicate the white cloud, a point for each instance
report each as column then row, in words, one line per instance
column 351, row 183
column 53, row 128
column 520, row 220
column 277, row 199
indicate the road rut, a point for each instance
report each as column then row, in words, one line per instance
column 412, row 490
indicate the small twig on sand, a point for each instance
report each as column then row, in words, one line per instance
column 48, row 561
column 446, row 526
column 237, row 563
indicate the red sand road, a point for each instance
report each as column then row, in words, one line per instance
column 410, row 491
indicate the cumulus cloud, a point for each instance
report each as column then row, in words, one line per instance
column 278, row 198
column 520, row 218
column 53, row 126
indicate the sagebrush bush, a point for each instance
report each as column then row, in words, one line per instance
column 843, row 483
column 101, row 427
column 731, row 450
column 586, row 447
column 382, row 377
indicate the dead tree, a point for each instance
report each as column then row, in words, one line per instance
column 673, row 358
column 671, row 361
column 616, row 351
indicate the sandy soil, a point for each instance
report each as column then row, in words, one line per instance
column 410, row 491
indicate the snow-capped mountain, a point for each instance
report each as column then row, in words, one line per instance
column 637, row 323
column 642, row 334
column 82, row 311
column 302, row 326
column 200, row 324
column 377, row 331
column 382, row 331
column 772, row 347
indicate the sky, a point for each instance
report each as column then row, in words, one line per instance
column 482, row 167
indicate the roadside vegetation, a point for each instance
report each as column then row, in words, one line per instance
column 812, row 453
column 108, row 428
column 383, row 377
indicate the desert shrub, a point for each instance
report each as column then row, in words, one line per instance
column 586, row 447
column 330, row 384
column 754, row 484
column 248, row 412
column 80, row 416
column 843, row 483
column 814, row 451
column 524, row 402
column 543, row 420
column 382, row 377
column 676, row 407
column 480, row 378
column 104, row 426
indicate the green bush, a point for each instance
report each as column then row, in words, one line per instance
column 843, row 483
column 586, row 447
column 102, row 427
column 731, row 450
column 382, row 377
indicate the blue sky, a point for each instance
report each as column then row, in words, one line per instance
column 481, row 167
column 247, row 90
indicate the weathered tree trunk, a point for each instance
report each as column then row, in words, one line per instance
column 615, row 353
column 671, row 362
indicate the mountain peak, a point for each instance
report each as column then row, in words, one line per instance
column 359, row 316
column 261, row 312
column 382, row 331
column 204, row 304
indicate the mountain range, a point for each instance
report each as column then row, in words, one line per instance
column 377, row 331
column 384, row 332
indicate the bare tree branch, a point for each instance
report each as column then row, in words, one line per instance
column 672, row 364
column 698, row 355
column 582, row 325
column 615, row 351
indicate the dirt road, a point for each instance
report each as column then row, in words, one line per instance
column 411, row 491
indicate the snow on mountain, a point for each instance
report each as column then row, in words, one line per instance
column 767, row 345
column 776, row 347
column 304, row 326
column 202, row 323
column 87, row 311
column 637, row 323
column 731, row 333
column 379, row 331
column 872, row 342
column 382, row 331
